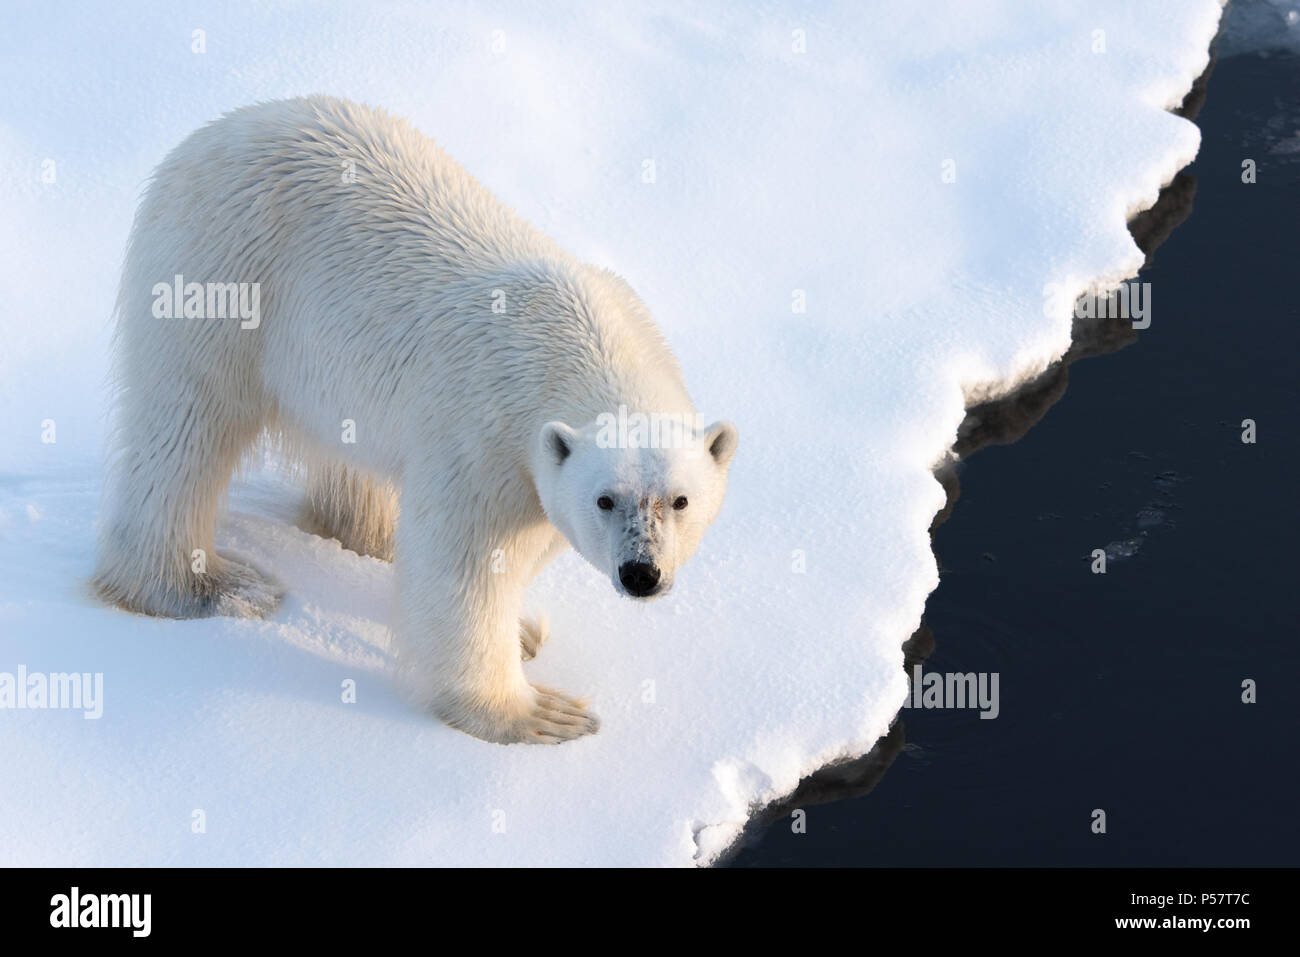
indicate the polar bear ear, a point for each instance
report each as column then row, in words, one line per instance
column 721, row 439
column 557, row 440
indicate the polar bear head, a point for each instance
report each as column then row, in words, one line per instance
column 635, row 510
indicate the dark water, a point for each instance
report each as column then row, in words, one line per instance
column 1120, row 691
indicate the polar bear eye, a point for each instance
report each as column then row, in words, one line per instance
column 679, row 502
column 604, row 503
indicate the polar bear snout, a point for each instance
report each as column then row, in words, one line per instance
column 639, row 579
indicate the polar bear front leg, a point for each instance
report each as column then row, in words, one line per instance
column 459, row 638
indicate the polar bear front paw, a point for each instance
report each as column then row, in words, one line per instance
column 533, row 633
column 556, row 717
column 536, row 716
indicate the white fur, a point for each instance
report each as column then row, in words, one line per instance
column 377, row 298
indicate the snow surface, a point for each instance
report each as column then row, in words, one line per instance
column 775, row 171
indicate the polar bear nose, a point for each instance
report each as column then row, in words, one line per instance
column 639, row 578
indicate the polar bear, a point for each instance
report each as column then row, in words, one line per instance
column 320, row 272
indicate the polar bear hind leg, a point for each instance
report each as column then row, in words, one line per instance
column 178, row 445
column 357, row 509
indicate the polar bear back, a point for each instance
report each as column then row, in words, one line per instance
column 396, row 292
